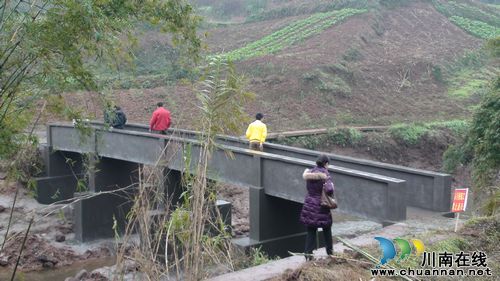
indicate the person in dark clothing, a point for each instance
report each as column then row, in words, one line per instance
column 313, row 215
column 116, row 118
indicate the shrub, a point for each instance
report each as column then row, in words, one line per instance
column 353, row 54
column 455, row 156
column 484, row 137
column 394, row 3
column 407, row 133
column 344, row 137
column 458, row 127
column 334, row 85
column 437, row 73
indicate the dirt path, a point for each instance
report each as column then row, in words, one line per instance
column 419, row 221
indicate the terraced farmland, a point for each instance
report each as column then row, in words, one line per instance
column 476, row 28
column 478, row 21
column 291, row 34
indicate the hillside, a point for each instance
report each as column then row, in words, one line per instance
column 350, row 62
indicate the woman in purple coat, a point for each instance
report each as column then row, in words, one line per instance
column 313, row 215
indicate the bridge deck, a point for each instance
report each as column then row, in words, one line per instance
column 374, row 196
column 425, row 189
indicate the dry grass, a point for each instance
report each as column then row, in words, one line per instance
column 328, row 269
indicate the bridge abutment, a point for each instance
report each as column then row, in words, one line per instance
column 62, row 171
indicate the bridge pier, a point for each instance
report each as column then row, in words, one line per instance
column 94, row 217
column 172, row 182
column 274, row 225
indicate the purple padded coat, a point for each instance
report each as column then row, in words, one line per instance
column 312, row 213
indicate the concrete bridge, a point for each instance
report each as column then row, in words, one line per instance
column 370, row 189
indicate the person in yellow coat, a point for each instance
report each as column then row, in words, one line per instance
column 257, row 133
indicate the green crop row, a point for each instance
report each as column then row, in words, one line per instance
column 478, row 12
column 291, row 34
column 477, row 19
column 477, row 28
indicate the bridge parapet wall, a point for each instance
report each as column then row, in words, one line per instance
column 425, row 189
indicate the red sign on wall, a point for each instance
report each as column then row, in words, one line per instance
column 459, row 200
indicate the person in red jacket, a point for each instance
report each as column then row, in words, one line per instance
column 160, row 121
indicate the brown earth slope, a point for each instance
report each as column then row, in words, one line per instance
column 390, row 79
column 414, row 39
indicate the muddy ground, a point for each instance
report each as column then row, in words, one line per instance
column 479, row 234
column 50, row 243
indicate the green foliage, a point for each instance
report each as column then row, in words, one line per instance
column 222, row 9
column 468, row 74
column 352, row 54
column 469, row 59
column 26, row 163
column 342, row 137
column 307, row 8
column 485, row 230
column 411, row 134
column 154, row 63
column 481, row 145
column 468, row 10
column 468, row 83
column 475, row 18
column 331, row 79
column 458, row 127
column 455, row 156
column 328, row 83
column 492, row 204
column 222, row 97
column 291, row 34
column 493, row 46
column 258, row 257
column 408, row 133
column 394, row 3
column 254, row 7
column 11, row 133
column 437, row 73
column 46, row 48
column 476, row 28
column 484, row 137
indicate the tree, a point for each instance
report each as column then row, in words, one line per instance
column 481, row 145
column 484, row 136
column 46, row 47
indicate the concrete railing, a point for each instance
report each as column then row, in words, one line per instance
column 425, row 189
column 374, row 196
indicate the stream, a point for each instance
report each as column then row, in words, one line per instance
column 59, row 273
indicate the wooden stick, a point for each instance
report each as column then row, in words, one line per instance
column 456, row 222
column 21, row 250
column 332, row 256
column 10, row 218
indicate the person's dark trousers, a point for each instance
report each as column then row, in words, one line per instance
column 163, row 132
column 311, row 240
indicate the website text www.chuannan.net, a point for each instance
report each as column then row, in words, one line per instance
column 432, row 272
